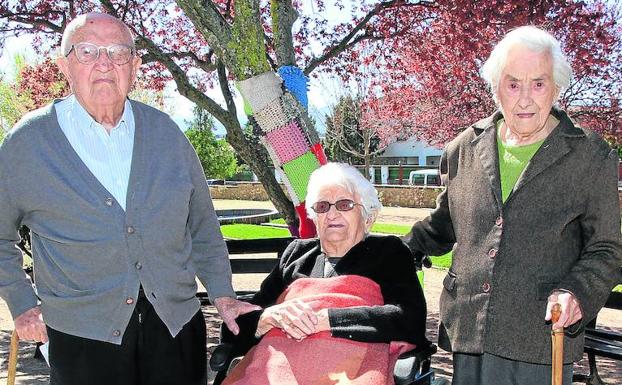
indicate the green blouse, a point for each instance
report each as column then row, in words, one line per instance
column 512, row 161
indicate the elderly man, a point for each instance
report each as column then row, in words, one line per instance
column 122, row 222
column 531, row 211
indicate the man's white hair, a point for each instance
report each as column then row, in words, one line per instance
column 348, row 177
column 536, row 40
column 80, row 21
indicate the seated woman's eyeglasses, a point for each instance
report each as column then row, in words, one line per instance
column 88, row 53
column 341, row 205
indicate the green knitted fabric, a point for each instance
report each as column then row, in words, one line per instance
column 298, row 172
column 512, row 162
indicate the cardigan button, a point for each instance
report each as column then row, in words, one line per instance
column 129, row 300
column 499, row 222
column 486, row 287
column 109, row 202
column 492, row 253
column 116, row 333
column 130, row 230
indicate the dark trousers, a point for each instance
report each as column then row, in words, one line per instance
column 148, row 355
column 488, row 369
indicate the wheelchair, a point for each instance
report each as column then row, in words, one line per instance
column 412, row 367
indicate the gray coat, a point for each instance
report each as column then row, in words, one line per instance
column 559, row 229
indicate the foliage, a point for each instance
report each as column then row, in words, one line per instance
column 351, row 133
column 216, row 156
column 431, row 84
column 42, row 83
column 15, row 96
column 201, row 45
column 11, row 109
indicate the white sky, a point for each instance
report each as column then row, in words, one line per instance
column 322, row 92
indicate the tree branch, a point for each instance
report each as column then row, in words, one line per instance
column 224, row 88
column 205, row 65
column 38, row 19
column 208, row 20
column 351, row 39
column 283, row 17
column 184, row 86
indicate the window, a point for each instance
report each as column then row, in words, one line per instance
column 432, row 160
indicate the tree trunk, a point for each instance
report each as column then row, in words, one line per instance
column 258, row 164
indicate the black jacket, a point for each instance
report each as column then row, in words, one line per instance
column 383, row 259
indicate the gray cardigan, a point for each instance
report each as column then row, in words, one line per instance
column 559, row 229
column 90, row 256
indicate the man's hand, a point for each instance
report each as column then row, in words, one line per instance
column 571, row 311
column 230, row 309
column 30, row 326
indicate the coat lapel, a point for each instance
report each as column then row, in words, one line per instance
column 553, row 148
column 485, row 146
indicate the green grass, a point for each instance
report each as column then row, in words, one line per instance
column 387, row 228
column 382, row 228
column 442, row 261
column 242, row 231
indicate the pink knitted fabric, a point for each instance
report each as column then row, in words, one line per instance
column 288, row 142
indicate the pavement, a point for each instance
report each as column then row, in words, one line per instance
column 34, row 371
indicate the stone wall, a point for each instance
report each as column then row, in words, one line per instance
column 402, row 196
column 249, row 191
column 408, row 196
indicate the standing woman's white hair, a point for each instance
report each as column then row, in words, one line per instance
column 348, row 177
column 536, row 40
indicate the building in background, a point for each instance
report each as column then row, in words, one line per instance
column 400, row 158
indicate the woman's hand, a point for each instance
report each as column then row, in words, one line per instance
column 295, row 318
column 323, row 323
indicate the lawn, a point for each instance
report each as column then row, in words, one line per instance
column 382, row 228
column 242, row 231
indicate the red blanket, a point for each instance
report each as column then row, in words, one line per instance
column 321, row 359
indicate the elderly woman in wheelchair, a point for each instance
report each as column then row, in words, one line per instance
column 338, row 309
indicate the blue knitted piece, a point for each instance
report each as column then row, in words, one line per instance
column 296, row 83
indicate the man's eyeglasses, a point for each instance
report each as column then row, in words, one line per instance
column 341, row 205
column 88, row 53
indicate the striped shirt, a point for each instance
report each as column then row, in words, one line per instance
column 107, row 156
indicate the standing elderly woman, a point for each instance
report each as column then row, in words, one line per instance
column 333, row 305
column 531, row 211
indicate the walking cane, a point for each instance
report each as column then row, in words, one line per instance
column 12, row 370
column 557, row 340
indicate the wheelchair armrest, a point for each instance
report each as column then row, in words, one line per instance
column 422, row 353
column 413, row 367
column 221, row 357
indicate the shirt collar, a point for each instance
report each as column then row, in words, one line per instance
column 82, row 115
